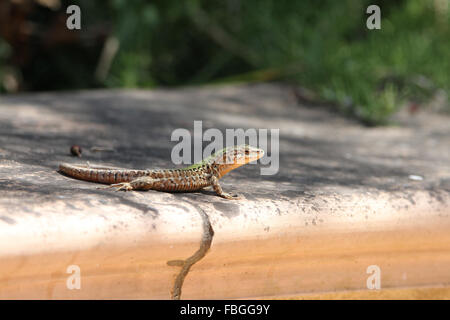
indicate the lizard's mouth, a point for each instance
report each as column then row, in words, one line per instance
column 254, row 154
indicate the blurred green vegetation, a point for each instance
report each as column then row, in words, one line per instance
column 321, row 45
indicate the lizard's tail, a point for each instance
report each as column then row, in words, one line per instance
column 100, row 174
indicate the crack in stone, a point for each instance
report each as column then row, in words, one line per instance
column 205, row 244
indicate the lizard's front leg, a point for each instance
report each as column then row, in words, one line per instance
column 218, row 189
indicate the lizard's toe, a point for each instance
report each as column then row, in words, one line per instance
column 231, row 197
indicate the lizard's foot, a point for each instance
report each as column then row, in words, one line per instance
column 218, row 189
column 231, row 196
column 125, row 186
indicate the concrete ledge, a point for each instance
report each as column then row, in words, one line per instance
column 343, row 200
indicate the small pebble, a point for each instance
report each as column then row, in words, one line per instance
column 76, row 151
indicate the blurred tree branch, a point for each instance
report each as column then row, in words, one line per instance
column 219, row 35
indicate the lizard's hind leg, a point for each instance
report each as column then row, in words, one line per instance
column 125, row 186
column 119, row 186
column 142, row 183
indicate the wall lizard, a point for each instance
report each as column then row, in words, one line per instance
column 198, row 176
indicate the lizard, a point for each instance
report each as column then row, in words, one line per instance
column 192, row 178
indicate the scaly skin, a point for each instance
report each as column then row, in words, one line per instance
column 196, row 177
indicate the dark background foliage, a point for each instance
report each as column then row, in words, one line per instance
column 322, row 47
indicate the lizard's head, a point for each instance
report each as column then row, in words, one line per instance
column 233, row 157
